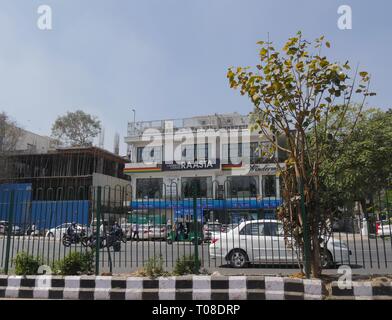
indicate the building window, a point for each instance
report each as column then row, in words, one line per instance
column 194, row 152
column 149, row 188
column 148, row 154
column 254, row 152
column 201, row 185
column 234, row 153
column 243, row 186
column 269, row 186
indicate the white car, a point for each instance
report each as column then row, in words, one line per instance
column 16, row 230
column 210, row 229
column 158, row 232
column 58, row 231
column 384, row 228
column 144, row 232
column 263, row 241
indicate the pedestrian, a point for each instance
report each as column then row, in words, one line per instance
column 135, row 229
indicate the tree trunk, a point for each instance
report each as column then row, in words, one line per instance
column 315, row 255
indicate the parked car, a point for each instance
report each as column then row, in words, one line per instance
column 144, row 231
column 16, row 230
column 263, row 241
column 158, row 231
column 211, row 228
column 383, row 228
column 228, row 227
column 58, row 231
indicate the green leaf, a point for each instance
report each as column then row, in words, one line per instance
column 328, row 44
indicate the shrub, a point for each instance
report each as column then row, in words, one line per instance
column 154, row 268
column 75, row 263
column 186, row 265
column 26, row 264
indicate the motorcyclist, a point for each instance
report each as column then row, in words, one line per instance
column 71, row 231
column 116, row 229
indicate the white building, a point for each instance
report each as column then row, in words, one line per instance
column 217, row 154
column 32, row 142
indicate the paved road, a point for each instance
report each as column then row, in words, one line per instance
column 370, row 255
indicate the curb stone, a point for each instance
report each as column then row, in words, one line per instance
column 198, row 287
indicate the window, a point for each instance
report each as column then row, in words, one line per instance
column 149, row 188
column 243, row 186
column 268, row 229
column 194, row 152
column 235, row 152
column 269, row 186
column 202, row 186
column 253, row 229
column 148, row 154
column 254, row 152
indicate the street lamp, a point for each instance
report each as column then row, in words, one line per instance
column 134, row 117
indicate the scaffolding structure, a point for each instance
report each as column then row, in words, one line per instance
column 61, row 168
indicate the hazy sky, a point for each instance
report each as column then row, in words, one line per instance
column 165, row 58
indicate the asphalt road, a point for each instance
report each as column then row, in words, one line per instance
column 369, row 255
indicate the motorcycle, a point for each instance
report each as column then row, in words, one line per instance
column 76, row 238
column 108, row 240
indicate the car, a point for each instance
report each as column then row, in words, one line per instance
column 211, row 228
column 228, row 227
column 383, row 228
column 144, row 232
column 158, row 231
column 58, row 231
column 263, row 241
column 16, row 230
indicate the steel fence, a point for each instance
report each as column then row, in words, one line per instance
column 225, row 230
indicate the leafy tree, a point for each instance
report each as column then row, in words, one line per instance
column 362, row 166
column 76, row 129
column 292, row 92
column 10, row 134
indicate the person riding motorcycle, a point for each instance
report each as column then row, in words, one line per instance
column 71, row 231
column 116, row 229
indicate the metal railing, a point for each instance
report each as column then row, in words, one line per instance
column 236, row 232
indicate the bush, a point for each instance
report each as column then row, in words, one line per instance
column 75, row 263
column 154, row 268
column 186, row 265
column 26, row 264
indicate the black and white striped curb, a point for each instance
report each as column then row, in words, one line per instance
column 364, row 290
column 185, row 288
column 169, row 288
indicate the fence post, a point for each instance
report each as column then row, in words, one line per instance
column 98, row 240
column 305, row 232
column 196, row 241
column 9, row 230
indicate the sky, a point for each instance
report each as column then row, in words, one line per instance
column 165, row 58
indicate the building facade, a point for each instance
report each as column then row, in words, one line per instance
column 32, row 142
column 213, row 157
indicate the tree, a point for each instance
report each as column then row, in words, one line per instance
column 10, row 133
column 76, row 129
column 362, row 166
column 292, row 92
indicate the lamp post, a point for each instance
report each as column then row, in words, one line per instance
column 134, row 117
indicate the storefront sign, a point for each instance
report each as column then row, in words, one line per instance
column 264, row 168
column 190, row 165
